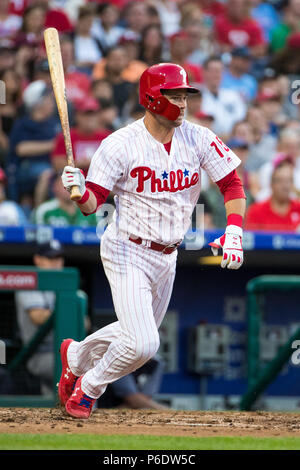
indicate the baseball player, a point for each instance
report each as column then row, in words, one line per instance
column 153, row 168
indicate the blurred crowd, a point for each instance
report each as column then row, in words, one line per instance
column 242, row 55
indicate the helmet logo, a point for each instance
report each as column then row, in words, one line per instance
column 184, row 76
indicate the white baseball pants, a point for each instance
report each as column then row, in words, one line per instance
column 141, row 282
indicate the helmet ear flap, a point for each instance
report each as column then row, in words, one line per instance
column 162, row 106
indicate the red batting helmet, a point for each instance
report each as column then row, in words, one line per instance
column 164, row 76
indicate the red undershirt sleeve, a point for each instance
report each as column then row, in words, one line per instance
column 231, row 187
column 99, row 192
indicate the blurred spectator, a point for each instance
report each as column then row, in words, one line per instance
column 237, row 77
column 151, row 46
column 169, row 15
column 32, row 140
column 136, row 19
column 281, row 212
column 87, row 49
column 55, row 18
column 289, row 24
column 203, row 119
column 86, row 136
column 136, row 390
column 60, row 211
column 236, row 28
column 288, row 147
column 13, row 98
column 263, row 147
column 70, row 7
column 241, row 148
column 113, row 68
column 78, row 84
column 194, row 105
column 42, row 71
column 105, row 26
column 270, row 103
column 211, row 8
column 134, row 67
column 9, row 22
column 242, row 130
column 10, row 212
column 32, row 28
column 178, row 54
column 34, row 308
column 266, row 15
column 102, row 90
column 200, row 45
column 225, row 105
column 7, row 54
column 286, row 60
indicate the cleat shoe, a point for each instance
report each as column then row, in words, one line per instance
column 67, row 379
column 79, row 404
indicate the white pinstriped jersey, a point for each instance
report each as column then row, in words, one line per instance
column 156, row 192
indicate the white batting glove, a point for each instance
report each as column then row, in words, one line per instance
column 73, row 177
column 231, row 243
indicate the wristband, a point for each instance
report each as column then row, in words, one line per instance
column 235, row 219
column 84, row 197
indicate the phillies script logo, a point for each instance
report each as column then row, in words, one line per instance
column 173, row 181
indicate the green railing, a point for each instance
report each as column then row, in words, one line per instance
column 258, row 380
column 67, row 319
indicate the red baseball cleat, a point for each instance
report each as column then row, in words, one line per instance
column 67, row 379
column 79, row 404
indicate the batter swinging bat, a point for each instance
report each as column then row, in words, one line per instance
column 58, row 83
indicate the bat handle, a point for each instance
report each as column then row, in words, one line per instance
column 75, row 193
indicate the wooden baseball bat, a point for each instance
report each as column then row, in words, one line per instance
column 58, row 83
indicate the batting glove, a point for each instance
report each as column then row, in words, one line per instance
column 73, row 177
column 231, row 243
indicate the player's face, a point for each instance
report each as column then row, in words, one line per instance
column 179, row 98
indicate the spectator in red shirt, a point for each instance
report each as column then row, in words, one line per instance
column 236, row 28
column 86, row 136
column 281, row 212
column 179, row 51
column 17, row 7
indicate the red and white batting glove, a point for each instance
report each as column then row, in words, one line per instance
column 74, row 177
column 231, row 244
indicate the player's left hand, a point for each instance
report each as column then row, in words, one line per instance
column 231, row 243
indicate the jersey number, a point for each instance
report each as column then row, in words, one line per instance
column 217, row 147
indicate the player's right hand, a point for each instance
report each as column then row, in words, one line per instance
column 73, row 177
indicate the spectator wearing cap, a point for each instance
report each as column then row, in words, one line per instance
column 281, row 211
column 32, row 141
column 10, row 212
column 60, row 211
column 86, row 136
column 179, row 51
column 288, row 148
column 237, row 77
column 9, row 22
column 33, row 309
column 105, row 26
column 225, row 105
column 236, row 28
column 87, row 49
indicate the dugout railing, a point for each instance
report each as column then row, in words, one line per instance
column 259, row 379
column 67, row 320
